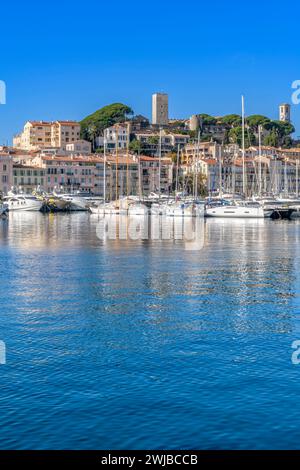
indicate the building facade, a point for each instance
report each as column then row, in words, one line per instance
column 41, row 134
column 6, row 172
column 27, row 178
column 116, row 137
column 79, row 146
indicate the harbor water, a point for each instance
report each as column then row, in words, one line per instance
column 144, row 344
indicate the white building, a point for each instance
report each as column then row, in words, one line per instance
column 116, row 137
column 79, row 146
column 160, row 109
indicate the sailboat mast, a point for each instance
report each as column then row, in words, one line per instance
column 117, row 159
column 104, row 170
column 139, row 177
column 197, row 164
column 297, row 178
column 177, row 170
column 159, row 163
column 260, row 162
column 127, row 160
column 243, row 144
column 285, row 177
column 220, row 172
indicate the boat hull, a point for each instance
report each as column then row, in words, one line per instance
column 236, row 212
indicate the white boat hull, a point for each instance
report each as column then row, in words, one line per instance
column 236, row 212
column 23, row 205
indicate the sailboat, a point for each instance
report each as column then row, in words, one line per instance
column 101, row 208
column 136, row 207
column 237, row 208
column 159, row 208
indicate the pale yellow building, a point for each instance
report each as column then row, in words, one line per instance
column 64, row 132
column 41, row 134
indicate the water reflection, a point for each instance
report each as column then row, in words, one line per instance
column 110, row 337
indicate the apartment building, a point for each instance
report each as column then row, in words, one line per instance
column 149, row 175
column 68, row 172
column 64, row 133
column 116, row 137
column 41, row 134
column 206, row 150
column 36, row 134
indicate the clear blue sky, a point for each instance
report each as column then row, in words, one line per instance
column 64, row 60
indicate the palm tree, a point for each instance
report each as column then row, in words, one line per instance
column 92, row 133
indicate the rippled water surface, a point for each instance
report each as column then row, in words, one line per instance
column 145, row 344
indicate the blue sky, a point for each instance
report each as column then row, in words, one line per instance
column 64, row 60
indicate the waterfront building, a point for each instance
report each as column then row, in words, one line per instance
column 86, row 173
column 27, row 178
column 149, row 168
column 160, row 109
column 6, row 163
column 67, row 172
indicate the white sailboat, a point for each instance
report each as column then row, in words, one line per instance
column 159, row 208
column 237, row 208
column 99, row 209
column 136, row 207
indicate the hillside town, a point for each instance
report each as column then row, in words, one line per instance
column 55, row 156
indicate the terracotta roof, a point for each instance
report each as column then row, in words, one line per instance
column 67, row 123
column 39, row 123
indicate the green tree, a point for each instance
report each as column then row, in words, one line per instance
column 91, row 132
column 235, row 136
column 103, row 118
column 284, row 128
column 153, row 140
column 231, row 120
column 257, row 120
column 272, row 139
column 136, row 146
column 207, row 120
